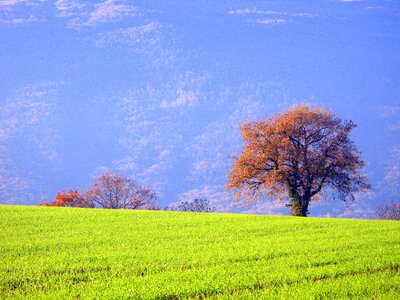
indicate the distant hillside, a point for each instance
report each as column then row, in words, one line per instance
column 157, row 90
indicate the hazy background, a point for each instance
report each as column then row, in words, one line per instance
column 157, row 89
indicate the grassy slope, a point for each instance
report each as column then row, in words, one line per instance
column 69, row 253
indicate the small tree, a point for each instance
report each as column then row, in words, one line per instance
column 118, row 191
column 295, row 155
column 389, row 211
column 196, row 205
column 69, row 198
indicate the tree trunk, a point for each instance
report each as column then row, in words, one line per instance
column 298, row 207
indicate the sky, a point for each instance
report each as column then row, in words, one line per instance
column 156, row 90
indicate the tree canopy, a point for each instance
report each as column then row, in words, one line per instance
column 296, row 154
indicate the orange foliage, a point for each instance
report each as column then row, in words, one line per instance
column 68, row 198
column 295, row 155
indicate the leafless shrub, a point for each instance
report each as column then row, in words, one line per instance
column 389, row 211
column 196, row 205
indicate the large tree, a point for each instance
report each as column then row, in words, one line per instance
column 296, row 154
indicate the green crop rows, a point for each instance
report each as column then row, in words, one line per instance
column 66, row 253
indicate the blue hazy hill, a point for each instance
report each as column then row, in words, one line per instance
column 157, row 89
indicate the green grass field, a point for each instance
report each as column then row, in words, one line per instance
column 69, row 253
